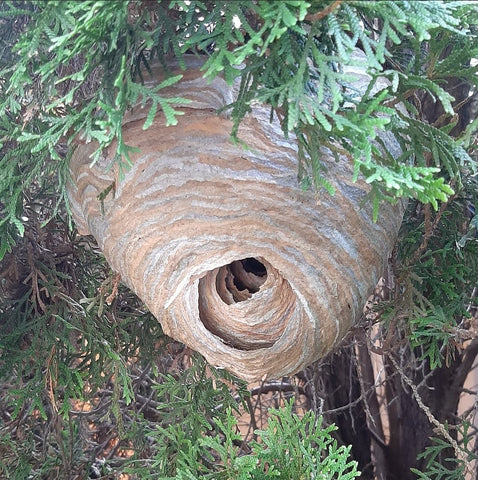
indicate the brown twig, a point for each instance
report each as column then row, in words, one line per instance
column 114, row 291
column 389, row 338
column 315, row 17
column 430, row 227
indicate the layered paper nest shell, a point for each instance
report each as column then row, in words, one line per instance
column 221, row 243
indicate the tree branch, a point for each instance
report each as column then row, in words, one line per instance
column 431, row 418
column 315, row 17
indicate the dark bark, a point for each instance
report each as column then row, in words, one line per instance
column 346, row 382
column 409, row 428
column 337, row 383
column 372, row 407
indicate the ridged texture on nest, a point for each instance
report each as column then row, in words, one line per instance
column 223, row 246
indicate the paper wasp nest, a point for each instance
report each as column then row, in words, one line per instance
column 223, row 246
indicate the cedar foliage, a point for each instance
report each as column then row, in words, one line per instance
column 85, row 371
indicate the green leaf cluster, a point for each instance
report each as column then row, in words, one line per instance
column 187, row 411
column 439, row 466
column 298, row 68
column 438, row 283
column 68, row 74
column 70, row 71
column 306, row 449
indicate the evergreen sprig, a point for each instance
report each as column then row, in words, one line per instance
column 72, row 69
column 69, row 75
column 69, row 71
column 298, row 71
column 306, row 450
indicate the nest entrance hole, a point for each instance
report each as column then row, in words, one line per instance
column 252, row 325
column 239, row 280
